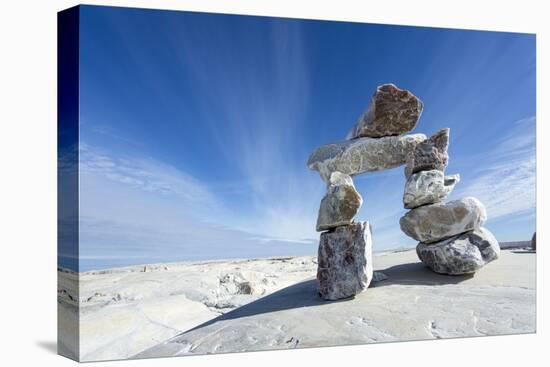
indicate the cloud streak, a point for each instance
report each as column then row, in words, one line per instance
column 151, row 176
column 259, row 128
column 506, row 183
column 223, row 112
column 269, row 203
column 134, row 209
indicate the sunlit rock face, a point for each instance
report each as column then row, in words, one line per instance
column 434, row 222
column 392, row 111
column 357, row 156
column 345, row 261
column 340, row 204
column 427, row 187
column 462, row 254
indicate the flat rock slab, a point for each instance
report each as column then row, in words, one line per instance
column 435, row 222
column 345, row 261
column 414, row 303
column 392, row 111
column 463, row 254
column 361, row 155
column 124, row 311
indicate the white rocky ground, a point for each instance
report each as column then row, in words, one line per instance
column 127, row 310
column 272, row 304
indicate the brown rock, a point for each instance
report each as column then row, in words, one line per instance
column 392, row 111
column 430, row 154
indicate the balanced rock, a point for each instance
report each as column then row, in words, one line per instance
column 430, row 223
column 427, row 187
column 361, row 155
column 392, row 111
column 345, row 261
column 462, row 254
column 430, row 154
column 340, row 204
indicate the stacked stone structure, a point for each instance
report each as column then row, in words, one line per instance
column 451, row 239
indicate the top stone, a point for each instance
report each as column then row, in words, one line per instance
column 392, row 111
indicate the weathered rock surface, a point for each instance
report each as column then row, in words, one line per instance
column 340, row 204
column 435, row 222
column 124, row 311
column 463, row 254
column 345, row 261
column 414, row 303
column 392, row 111
column 361, row 155
column 430, row 154
column 427, row 187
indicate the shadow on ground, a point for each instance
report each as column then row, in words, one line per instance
column 50, row 346
column 304, row 294
column 417, row 274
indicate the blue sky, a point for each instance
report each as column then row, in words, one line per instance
column 195, row 129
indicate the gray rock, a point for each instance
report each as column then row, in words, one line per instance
column 392, row 111
column 430, row 154
column 340, row 204
column 361, row 155
column 463, row 254
column 435, row 222
column 345, row 261
column 427, row 187
column 534, row 241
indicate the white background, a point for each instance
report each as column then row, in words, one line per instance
column 28, row 180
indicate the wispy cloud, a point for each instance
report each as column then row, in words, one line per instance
column 258, row 127
column 255, row 121
column 148, row 175
column 506, row 179
column 136, row 208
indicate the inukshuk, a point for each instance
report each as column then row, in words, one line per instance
column 451, row 238
column 375, row 143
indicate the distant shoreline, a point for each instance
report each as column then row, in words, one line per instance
column 154, row 266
